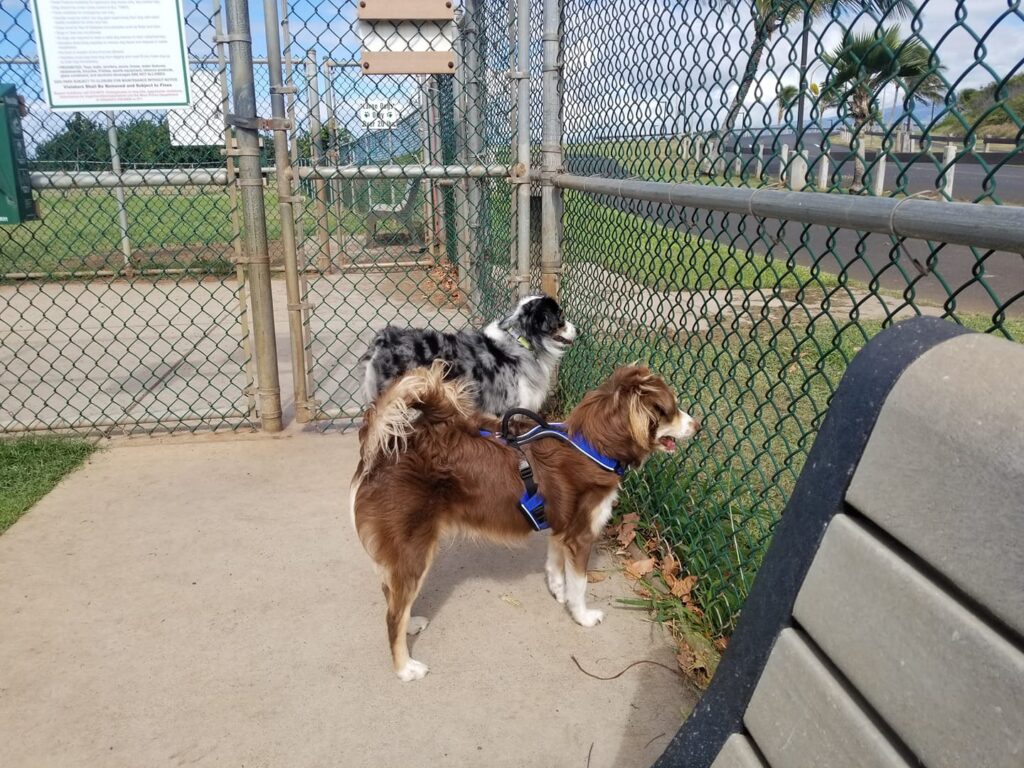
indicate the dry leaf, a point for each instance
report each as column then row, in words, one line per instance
column 669, row 568
column 682, row 587
column 686, row 659
column 627, row 532
column 721, row 644
column 651, row 545
column 512, row 601
column 640, row 568
column 595, row 576
column 632, row 517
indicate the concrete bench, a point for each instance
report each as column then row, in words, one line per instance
column 886, row 626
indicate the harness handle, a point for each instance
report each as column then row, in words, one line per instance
column 519, row 412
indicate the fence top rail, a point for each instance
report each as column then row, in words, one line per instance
column 402, row 171
column 996, row 227
column 162, row 177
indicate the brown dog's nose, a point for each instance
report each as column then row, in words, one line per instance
column 697, row 426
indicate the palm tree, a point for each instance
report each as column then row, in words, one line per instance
column 863, row 64
column 787, row 98
column 768, row 15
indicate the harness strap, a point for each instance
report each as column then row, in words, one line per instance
column 531, row 503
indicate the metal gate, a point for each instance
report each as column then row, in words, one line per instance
column 124, row 306
column 397, row 187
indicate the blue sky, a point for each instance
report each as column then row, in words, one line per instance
column 634, row 67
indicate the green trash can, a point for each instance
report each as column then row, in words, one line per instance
column 16, row 204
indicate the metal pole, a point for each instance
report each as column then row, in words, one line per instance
column 805, row 35
column 304, row 410
column 316, row 149
column 122, row 211
column 332, row 154
column 250, row 183
column 294, row 153
column 463, row 128
column 236, row 227
column 997, row 227
column 551, row 148
column 521, row 175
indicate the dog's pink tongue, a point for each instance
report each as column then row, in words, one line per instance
column 668, row 443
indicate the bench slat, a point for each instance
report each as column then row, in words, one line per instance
column 948, row 685
column 943, row 471
column 802, row 717
column 737, row 753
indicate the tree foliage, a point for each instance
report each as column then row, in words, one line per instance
column 865, row 63
column 996, row 109
column 83, row 144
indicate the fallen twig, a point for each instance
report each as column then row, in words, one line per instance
column 624, row 671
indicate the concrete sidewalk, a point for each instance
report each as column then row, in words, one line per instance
column 205, row 602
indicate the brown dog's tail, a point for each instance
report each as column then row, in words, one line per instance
column 422, row 396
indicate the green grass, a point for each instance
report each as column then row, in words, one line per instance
column 187, row 227
column 671, row 260
column 30, row 467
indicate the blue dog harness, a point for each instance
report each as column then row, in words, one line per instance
column 531, row 503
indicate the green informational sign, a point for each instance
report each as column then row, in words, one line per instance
column 16, row 203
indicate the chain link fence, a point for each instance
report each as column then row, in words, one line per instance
column 820, row 169
column 754, row 318
column 406, row 214
column 123, row 305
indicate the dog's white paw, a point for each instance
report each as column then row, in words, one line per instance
column 590, row 617
column 416, row 625
column 413, row 670
column 556, row 586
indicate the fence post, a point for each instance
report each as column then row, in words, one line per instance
column 783, row 162
column 703, row 153
column 551, row 146
column 759, row 161
column 798, row 171
column 878, row 175
column 684, row 153
column 332, row 153
column 122, row 211
column 250, row 183
column 949, row 166
column 474, row 95
column 521, row 175
column 316, row 151
column 305, row 409
column 236, row 227
column 823, row 163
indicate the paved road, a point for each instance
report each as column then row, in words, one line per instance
column 865, row 257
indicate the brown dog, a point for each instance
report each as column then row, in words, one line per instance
column 425, row 470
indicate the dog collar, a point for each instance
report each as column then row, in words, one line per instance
column 522, row 341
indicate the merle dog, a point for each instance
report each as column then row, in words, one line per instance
column 509, row 363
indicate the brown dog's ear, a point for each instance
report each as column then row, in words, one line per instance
column 640, row 419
